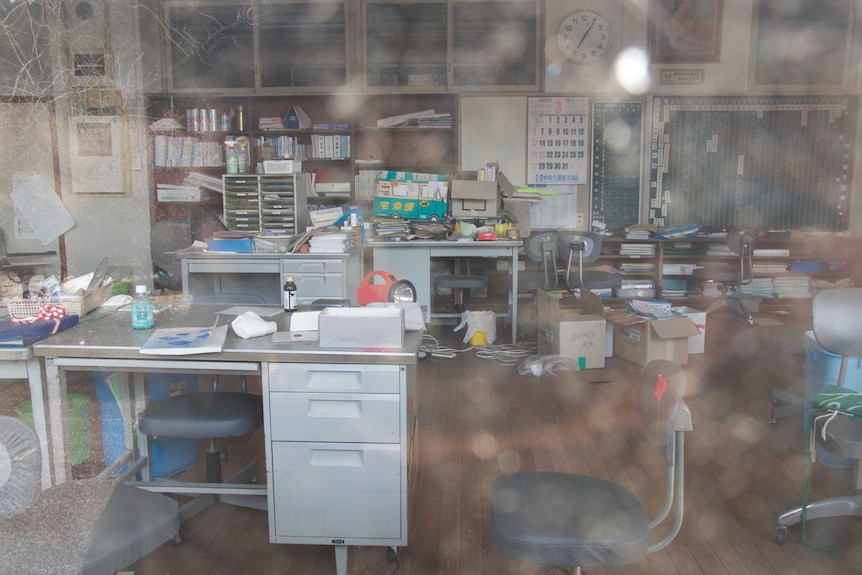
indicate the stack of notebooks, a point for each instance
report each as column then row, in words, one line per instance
column 271, row 123
column 333, row 242
column 637, row 250
column 761, row 287
column 792, row 287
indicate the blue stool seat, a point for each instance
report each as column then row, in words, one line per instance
column 203, row 415
column 460, row 282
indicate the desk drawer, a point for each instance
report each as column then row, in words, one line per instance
column 347, row 417
column 233, row 267
column 301, row 266
column 336, row 491
column 330, row 377
column 329, row 285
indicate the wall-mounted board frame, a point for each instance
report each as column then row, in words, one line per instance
column 802, row 43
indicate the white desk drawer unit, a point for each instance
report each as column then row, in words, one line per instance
column 337, row 461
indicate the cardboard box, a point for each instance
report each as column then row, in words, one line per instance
column 572, row 327
column 645, row 340
column 696, row 343
column 473, row 198
column 363, row 327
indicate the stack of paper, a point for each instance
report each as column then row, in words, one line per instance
column 331, row 242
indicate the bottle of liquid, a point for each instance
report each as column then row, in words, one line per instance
column 142, row 309
column 240, row 119
column 289, row 294
column 230, row 159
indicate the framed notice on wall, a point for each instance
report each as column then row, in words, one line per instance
column 557, row 134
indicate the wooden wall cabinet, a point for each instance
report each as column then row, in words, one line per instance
column 454, row 45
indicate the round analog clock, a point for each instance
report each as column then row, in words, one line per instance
column 584, row 37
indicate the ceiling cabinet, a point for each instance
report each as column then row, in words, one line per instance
column 451, row 45
column 232, row 47
column 327, row 46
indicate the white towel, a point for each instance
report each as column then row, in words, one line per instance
column 249, row 324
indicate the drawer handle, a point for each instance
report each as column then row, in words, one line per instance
column 330, row 408
column 328, row 380
column 336, row 458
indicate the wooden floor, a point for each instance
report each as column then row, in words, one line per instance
column 479, row 419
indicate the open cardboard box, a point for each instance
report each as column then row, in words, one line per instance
column 573, row 328
column 641, row 340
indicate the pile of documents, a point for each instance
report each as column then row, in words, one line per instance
column 333, row 241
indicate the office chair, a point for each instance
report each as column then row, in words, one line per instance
column 540, row 247
column 582, row 248
column 730, row 277
column 94, row 526
column 838, row 330
column 207, row 416
column 565, row 519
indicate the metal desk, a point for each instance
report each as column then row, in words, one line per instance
column 336, row 394
column 411, row 260
column 19, row 363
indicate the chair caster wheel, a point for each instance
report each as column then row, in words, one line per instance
column 781, row 535
column 177, row 540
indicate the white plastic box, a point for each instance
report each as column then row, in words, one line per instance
column 363, row 327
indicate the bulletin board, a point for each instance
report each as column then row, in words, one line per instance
column 557, row 141
column 753, row 161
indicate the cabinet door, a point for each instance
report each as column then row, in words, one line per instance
column 210, row 45
column 495, row 44
column 405, row 44
column 302, row 44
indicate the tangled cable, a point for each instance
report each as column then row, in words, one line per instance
column 502, row 354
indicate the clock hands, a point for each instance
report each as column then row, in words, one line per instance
column 587, row 33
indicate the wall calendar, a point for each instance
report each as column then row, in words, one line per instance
column 557, row 137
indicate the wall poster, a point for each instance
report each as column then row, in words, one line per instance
column 557, row 136
column 100, row 153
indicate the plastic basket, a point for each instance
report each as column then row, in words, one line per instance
column 73, row 304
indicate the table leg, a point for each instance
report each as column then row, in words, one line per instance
column 40, row 423
column 514, row 295
column 56, row 394
column 341, row 559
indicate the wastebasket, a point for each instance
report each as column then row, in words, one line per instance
column 170, row 454
column 80, row 446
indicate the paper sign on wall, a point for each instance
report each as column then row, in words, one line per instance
column 35, row 198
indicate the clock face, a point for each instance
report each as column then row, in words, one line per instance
column 584, row 37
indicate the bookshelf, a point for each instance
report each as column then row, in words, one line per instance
column 342, row 143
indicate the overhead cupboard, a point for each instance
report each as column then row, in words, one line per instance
column 328, row 45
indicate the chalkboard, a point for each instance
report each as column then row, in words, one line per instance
column 616, row 164
column 766, row 162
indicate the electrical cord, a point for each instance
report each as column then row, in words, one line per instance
column 503, row 354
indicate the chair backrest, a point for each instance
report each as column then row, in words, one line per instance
column 741, row 241
column 542, row 247
column 837, row 327
column 228, row 298
column 661, row 386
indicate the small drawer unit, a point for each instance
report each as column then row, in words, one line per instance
column 276, row 204
column 337, row 444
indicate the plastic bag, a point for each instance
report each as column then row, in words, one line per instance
column 479, row 323
column 538, row 365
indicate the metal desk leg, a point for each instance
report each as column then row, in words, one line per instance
column 514, row 295
column 56, row 394
column 40, row 423
column 341, row 559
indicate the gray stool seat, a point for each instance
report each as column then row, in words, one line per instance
column 462, row 281
column 203, row 415
column 134, row 523
column 565, row 519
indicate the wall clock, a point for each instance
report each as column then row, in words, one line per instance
column 584, row 37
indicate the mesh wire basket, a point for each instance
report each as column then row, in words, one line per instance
column 73, row 304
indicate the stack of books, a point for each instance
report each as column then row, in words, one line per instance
column 270, row 123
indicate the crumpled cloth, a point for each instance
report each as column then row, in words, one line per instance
column 249, row 324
